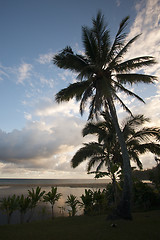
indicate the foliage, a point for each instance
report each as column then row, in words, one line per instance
column 24, row 203
column 34, row 196
column 9, row 205
column 154, row 176
column 101, row 76
column 106, row 152
column 94, row 202
column 72, row 202
column 87, row 201
column 145, row 196
column 52, row 197
column 101, row 73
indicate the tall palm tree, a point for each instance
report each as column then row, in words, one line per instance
column 101, row 75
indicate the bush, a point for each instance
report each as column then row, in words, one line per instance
column 145, row 196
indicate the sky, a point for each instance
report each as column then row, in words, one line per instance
column 38, row 137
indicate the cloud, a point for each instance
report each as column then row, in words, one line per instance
column 118, row 3
column 27, row 116
column 147, row 24
column 45, row 58
column 24, row 72
column 49, row 108
column 2, row 74
column 45, row 146
column 38, row 144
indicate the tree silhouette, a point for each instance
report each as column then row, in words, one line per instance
column 101, row 76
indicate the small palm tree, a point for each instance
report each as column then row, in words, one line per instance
column 23, row 206
column 52, row 197
column 72, row 202
column 9, row 205
column 87, row 201
column 34, row 196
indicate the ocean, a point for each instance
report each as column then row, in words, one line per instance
column 77, row 187
column 9, row 181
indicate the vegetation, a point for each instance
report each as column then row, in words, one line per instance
column 107, row 153
column 144, row 226
column 52, row 197
column 101, row 75
column 34, row 196
column 145, row 197
column 149, row 174
column 9, row 205
column 154, row 176
column 24, row 204
column 72, row 202
column 94, row 202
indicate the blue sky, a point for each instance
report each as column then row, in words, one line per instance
column 37, row 138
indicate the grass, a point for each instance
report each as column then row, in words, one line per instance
column 144, row 226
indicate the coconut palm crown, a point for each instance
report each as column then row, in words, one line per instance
column 101, row 72
column 106, row 151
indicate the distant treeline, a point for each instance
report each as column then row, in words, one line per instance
column 148, row 174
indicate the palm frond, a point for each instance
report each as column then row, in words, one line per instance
column 135, row 158
column 90, row 45
column 123, row 105
column 73, row 90
column 119, row 39
column 128, row 92
column 86, row 95
column 122, row 52
column 134, row 121
column 92, row 128
column 66, row 59
column 134, row 78
column 148, row 147
column 146, row 134
column 100, row 165
column 93, row 161
column 101, row 34
column 134, row 63
column 89, row 150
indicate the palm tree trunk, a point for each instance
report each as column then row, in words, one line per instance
column 124, row 208
column 52, row 213
column 114, row 184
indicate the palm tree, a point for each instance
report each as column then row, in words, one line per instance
column 23, row 205
column 107, row 152
column 52, row 197
column 101, row 75
column 72, row 202
column 34, row 196
column 9, row 205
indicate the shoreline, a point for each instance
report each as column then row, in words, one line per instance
column 71, row 185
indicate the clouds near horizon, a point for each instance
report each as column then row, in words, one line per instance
column 52, row 132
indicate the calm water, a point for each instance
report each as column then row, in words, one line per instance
column 43, row 210
column 6, row 181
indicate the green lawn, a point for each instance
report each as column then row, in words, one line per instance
column 144, row 226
